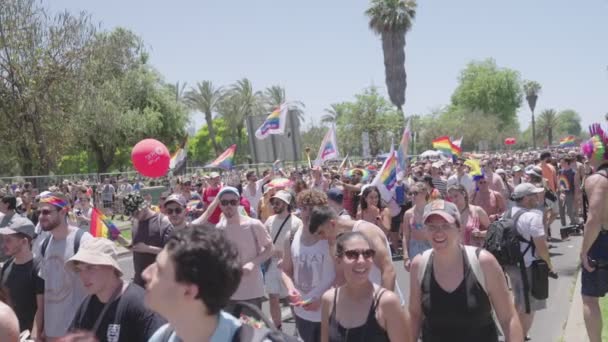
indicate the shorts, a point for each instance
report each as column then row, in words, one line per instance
column 107, row 204
column 517, row 287
column 553, row 206
column 308, row 331
column 595, row 284
column 396, row 222
column 273, row 282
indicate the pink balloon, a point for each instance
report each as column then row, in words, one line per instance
column 151, row 158
column 510, row 141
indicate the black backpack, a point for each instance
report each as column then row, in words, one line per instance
column 502, row 240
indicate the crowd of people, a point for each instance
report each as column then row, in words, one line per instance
column 321, row 239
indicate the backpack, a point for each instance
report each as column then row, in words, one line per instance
column 247, row 333
column 77, row 238
column 502, row 240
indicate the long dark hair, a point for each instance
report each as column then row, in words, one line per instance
column 364, row 195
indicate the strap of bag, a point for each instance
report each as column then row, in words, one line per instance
column 424, row 263
column 274, row 240
column 472, row 254
column 44, row 245
column 6, row 270
column 106, row 307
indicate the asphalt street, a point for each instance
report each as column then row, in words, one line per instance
column 548, row 324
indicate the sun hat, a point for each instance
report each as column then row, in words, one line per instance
column 283, row 195
column 516, row 168
column 96, row 251
column 442, row 208
column 214, row 174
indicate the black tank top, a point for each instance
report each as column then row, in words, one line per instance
column 464, row 314
column 369, row 331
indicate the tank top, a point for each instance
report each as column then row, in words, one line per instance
column 313, row 273
column 464, row 314
column 369, row 331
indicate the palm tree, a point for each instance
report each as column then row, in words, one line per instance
column 179, row 89
column 532, row 89
column 206, row 99
column 548, row 122
column 249, row 101
column 392, row 19
column 334, row 113
column 274, row 96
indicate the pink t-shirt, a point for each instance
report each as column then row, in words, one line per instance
column 249, row 237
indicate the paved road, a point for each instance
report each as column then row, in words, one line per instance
column 548, row 324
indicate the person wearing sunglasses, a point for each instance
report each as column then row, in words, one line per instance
column 175, row 209
column 454, row 288
column 492, row 201
column 360, row 310
column 414, row 237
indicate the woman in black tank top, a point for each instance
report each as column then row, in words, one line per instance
column 454, row 288
column 360, row 310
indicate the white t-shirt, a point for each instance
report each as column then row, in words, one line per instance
column 273, row 223
column 63, row 290
column 465, row 181
column 254, row 199
column 530, row 226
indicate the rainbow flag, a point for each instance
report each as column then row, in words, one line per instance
column 443, row 144
column 102, row 226
column 564, row 182
column 386, row 179
column 329, row 147
column 568, row 141
column 225, row 160
column 274, row 123
column 402, row 151
column 455, row 149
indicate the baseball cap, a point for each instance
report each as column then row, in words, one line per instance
column 179, row 199
column 283, row 195
column 525, row 189
column 500, row 172
column 214, row 174
column 516, row 168
column 533, row 170
column 445, row 209
column 335, row 195
column 96, row 251
column 18, row 224
column 228, row 190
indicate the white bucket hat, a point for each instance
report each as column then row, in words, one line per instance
column 97, row 251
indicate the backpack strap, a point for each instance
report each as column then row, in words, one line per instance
column 472, row 254
column 6, row 271
column 426, row 255
column 45, row 245
column 77, row 238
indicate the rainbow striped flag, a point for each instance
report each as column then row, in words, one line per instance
column 274, row 123
column 329, row 147
column 402, row 151
column 386, row 179
column 225, row 160
column 102, row 226
column 456, row 150
column 443, row 144
column 564, row 182
column 568, row 141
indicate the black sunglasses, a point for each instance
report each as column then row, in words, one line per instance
column 354, row 254
column 233, row 202
column 170, row 211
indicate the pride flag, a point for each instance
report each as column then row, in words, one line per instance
column 568, row 141
column 102, row 226
column 564, row 182
column 274, row 123
column 225, row 160
column 386, row 179
column 443, row 144
column 455, row 149
column 402, row 151
column 329, row 147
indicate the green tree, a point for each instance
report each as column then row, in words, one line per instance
column 569, row 122
column 548, row 123
column 491, row 90
column 391, row 20
column 200, row 149
column 334, row 113
column 532, row 90
column 206, row 98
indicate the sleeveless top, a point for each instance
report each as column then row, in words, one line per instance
column 471, row 225
column 416, row 247
column 464, row 314
column 369, row 331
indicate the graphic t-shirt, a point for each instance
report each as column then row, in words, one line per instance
column 23, row 284
column 63, row 290
column 566, row 180
column 134, row 323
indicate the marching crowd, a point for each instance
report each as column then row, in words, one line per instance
column 214, row 249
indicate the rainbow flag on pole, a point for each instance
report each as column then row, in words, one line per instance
column 102, row 226
column 225, row 160
column 329, row 147
column 386, row 178
column 568, row 141
column 402, row 151
column 443, row 144
column 274, row 123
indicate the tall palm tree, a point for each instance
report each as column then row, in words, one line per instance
column 249, row 100
column 532, row 89
column 548, row 122
column 205, row 97
column 180, row 91
column 334, row 113
column 274, row 96
column 392, row 19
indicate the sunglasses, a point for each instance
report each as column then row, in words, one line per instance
column 46, row 212
column 483, row 182
column 354, row 254
column 412, row 193
column 177, row 211
column 233, row 203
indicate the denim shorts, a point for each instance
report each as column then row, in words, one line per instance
column 595, row 284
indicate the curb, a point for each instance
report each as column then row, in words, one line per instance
column 575, row 326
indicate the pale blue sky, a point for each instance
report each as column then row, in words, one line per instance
column 322, row 51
